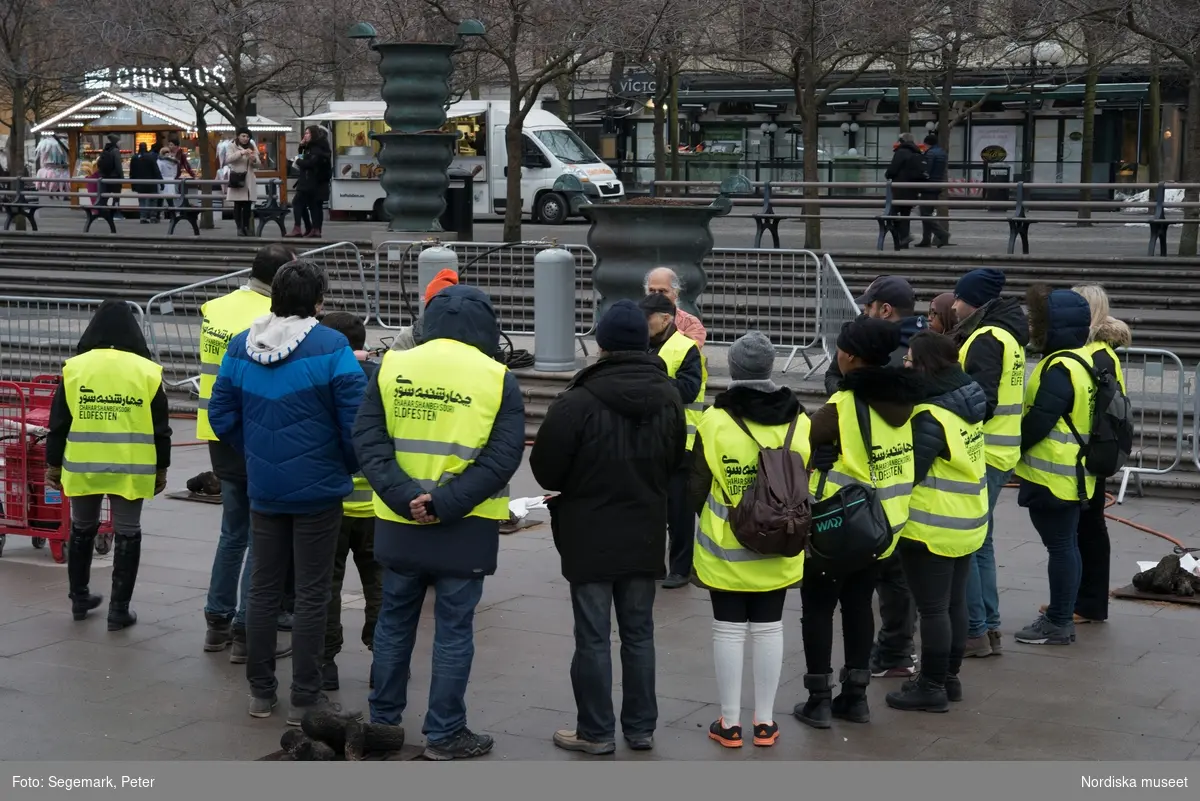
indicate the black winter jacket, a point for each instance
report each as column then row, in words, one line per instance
column 765, row 408
column 954, row 391
column 985, row 360
column 456, row 546
column 316, row 169
column 144, row 166
column 609, row 446
column 689, row 376
column 909, row 328
column 109, row 164
column 908, row 166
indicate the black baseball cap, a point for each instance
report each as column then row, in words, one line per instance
column 890, row 289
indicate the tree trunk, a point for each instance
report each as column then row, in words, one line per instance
column 673, row 119
column 902, row 89
column 207, row 170
column 563, row 85
column 512, row 147
column 1089, row 137
column 661, row 93
column 810, row 128
column 1191, row 161
column 1154, row 151
column 16, row 138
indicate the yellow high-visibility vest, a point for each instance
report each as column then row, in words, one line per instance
column 672, row 353
column 949, row 509
column 1092, row 348
column 224, row 318
column 110, row 447
column 891, row 462
column 441, row 400
column 719, row 560
column 1003, row 432
column 361, row 500
column 1054, row 462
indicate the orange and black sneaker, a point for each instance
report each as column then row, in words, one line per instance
column 766, row 733
column 728, row 736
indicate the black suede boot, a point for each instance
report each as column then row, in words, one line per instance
column 127, row 555
column 816, row 711
column 218, row 635
column 919, row 695
column 851, row 702
column 80, row 547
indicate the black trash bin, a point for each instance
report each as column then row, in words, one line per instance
column 996, row 174
column 459, row 215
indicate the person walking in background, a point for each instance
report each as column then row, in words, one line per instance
column 947, row 519
column 109, row 437
column 358, row 530
column 111, row 171
column 664, row 281
column 144, row 167
column 747, row 590
column 173, row 164
column 286, row 397
column 611, row 445
column 907, row 167
column 936, row 161
column 222, row 319
column 242, row 158
column 941, row 314
column 1055, row 486
column 842, row 455
column 315, row 164
column 991, row 335
column 687, row 371
column 440, row 435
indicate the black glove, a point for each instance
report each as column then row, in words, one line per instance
column 824, row 457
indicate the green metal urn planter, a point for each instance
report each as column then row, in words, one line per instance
column 632, row 238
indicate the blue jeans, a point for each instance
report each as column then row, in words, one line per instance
column 1057, row 525
column 231, row 565
column 148, row 206
column 453, row 650
column 983, row 596
column 591, row 666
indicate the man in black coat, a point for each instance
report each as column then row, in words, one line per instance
column 908, row 166
column 610, row 445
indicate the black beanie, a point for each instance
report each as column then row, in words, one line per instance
column 980, row 287
column 623, row 328
column 870, row 339
column 656, row 303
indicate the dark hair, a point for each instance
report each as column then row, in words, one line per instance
column 269, row 259
column 174, row 140
column 932, row 353
column 141, row 148
column 349, row 325
column 114, row 325
column 931, row 139
column 317, row 133
column 298, row 288
column 243, row 130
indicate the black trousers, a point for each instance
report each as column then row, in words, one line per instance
column 357, row 536
column 932, row 228
column 903, row 227
column 897, row 614
column 681, row 523
column 748, row 607
column 243, row 216
column 820, row 595
column 1095, row 554
column 939, row 585
column 309, row 542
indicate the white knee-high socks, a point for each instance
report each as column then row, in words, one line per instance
column 767, row 645
column 728, row 642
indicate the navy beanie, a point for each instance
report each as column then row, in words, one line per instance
column 980, row 287
column 623, row 328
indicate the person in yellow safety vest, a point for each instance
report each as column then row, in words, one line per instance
column 1107, row 334
column 109, row 437
column 229, row 583
column 869, row 386
column 747, row 589
column 687, row 371
column 358, row 530
column 1055, row 487
column 440, row 435
column 947, row 518
column 991, row 335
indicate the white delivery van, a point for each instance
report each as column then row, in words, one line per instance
column 550, row 150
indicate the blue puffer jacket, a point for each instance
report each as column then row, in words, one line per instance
column 457, row 546
column 286, row 398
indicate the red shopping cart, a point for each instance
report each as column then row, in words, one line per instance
column 27, row 506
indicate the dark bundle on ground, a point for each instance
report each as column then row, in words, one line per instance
column 371, row 738
column 326, row 727
column 205, row 483
column 299, row 747
column 1168, row 578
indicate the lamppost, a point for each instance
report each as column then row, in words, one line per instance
column 1034, row 57
column 415, row 152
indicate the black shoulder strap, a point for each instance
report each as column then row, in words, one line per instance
column 1079, row 470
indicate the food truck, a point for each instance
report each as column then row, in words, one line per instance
column 550, row 150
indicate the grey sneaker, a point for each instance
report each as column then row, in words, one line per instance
column 978, row 647
column 569, row 740
column 464, row 745
column 996, row 640
column 1043, row 632
column 261, row 707
column 297, row 712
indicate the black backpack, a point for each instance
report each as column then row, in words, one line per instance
column 774, row 514
column 1110, row 442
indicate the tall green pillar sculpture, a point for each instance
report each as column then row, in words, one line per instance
column 415, row 153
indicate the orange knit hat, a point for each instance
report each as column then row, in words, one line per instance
column 440, row 281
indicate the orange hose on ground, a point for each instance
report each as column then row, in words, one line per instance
column 1112, row 500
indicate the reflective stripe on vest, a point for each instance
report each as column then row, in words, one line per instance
column 719, row 560
column 110, row 448
column 949, row 509
column 892, row 463
column 440, row 400
column 224, row 318
column 1002, row 433
column 361, row 500
column 672, row 353
column 1054, row 462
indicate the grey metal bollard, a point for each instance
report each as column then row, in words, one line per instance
column 431, row 262
column 554, row 311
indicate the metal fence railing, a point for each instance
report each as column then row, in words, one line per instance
column 1157, row 385
column 38, row 334
column 1196, row 419
column 835, row 308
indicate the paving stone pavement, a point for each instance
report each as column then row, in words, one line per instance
column 1127, row 690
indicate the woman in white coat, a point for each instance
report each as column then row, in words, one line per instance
column 241, row 158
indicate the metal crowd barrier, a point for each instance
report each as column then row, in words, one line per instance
column 835, row 308
column 1196, row 419
column 1156, row 383
column 39, row 334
